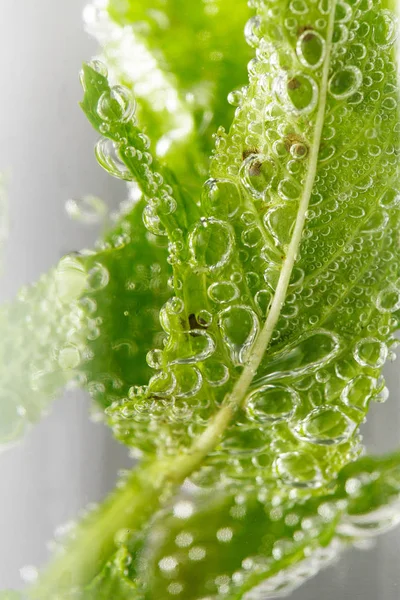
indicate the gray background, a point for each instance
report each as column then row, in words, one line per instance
column 47, row 151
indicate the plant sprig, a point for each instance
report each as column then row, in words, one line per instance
column 285, row 273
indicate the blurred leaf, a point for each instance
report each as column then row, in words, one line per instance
column 90, row 322
column 112, row 582
column 238, row 546
column 243, row 547
column 182, row 60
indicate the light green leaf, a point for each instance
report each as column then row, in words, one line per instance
column 78, row 324
column 229, row 546
column 188, row 58
column 38, row 331
column 244, row 547
column 287, row 287
column 113, row 581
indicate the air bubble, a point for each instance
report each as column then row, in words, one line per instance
column 152, row 221
column 239, row 327
column 298, row 151
column 252, row 237
column 390, row 198
column 326, row 425
column 154, row 359
column 298, row 92
column 340, row 34
column 257, row 174
column 388, row 300
column 168, row 564
column 280, row 221
column 384, row 29
column 253, row 31
column 69, row 358
column 310, row 49
column 71, row 279
column 298, row 469
column 235, row 98
column 288, row 190
column 309, row 354
column 116, row 105
column 359, row 391
column 99, row 67
column 188, row 381
column 370, row 352
column 221, row 197
column 343, row 12
column 263, row 300
column 223, row 292
column 211, row 244
column 271, row 403
column 108, row 157
column 345, row 82
column 202, row 346
column 390, row 103
column 215, row 373
column 98, row 277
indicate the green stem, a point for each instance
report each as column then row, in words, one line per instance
column 128, row 508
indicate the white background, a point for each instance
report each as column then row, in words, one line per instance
column 46, row 148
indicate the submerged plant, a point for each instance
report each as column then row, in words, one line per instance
column 232, row 331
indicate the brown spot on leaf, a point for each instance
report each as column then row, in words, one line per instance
column 195, row 323
column 293, row 138
column 255, row 167
column 293, row 84
column 248, row 152
column 302, row 29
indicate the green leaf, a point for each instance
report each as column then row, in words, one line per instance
column 189, row 58
column 80, row 325
column 244, row 547
column 113, row 582
column 37, row 338
column 287, row 286
column 124, row 152
column 220, row 543
column 127, row 285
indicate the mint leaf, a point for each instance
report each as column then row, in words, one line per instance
column 237, row 545
column 37, row 350
column 244, row 547
column 79, row 325
column 288, row 284
column 188, row 60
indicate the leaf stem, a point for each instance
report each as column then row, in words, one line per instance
column 238, row 395
column 130, row 507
